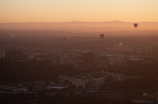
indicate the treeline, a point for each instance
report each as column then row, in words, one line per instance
column 80, row 100
column 147, row 82
column 33, row 70
column 147, row 70
column 59, row 99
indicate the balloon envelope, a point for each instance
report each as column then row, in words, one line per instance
column 65, row 38
column 135, row 25
column 101, row 36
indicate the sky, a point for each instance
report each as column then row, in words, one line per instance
column 78, row 10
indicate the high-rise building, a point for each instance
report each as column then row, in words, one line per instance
column 143, row 49
column 155, row 48
column 103, row 62
column 149, row 48
column 136, row 49
column 88, row 60
column 112, row 60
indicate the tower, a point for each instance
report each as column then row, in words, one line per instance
column 88, row 60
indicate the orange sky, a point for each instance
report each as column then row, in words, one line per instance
column 78, row 10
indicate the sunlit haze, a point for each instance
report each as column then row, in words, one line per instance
column 78, row 51
column 78, row 10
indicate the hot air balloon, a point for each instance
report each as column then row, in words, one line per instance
column 101, row 36
column 65, row 38
column 135, row 25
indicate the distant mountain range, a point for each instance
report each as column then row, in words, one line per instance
column 77, row 26
column 116, row 21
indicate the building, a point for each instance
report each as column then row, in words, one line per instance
column 103, row 61
column 96, row 82
column 112, row 60
column 136, row 49
column 149, row 49
column 88, row 60
column 78, row 83
column 143, row 49
column 136, row 59
column 64, row 60
column 155, row 48
column 15, row 55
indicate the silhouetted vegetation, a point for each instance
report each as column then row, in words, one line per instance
column 33, row 70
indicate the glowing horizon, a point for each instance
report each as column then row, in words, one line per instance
column 78, row 10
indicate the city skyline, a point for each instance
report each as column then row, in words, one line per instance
column 82, row 10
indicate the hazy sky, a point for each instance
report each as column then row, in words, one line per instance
column 78, row 10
